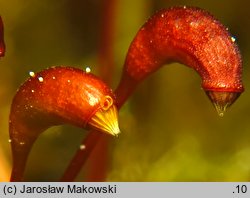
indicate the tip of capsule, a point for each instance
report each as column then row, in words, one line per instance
column 2, row 50
column 222, row 100
column 106, row 121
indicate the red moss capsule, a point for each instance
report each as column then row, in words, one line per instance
column 56, row 96
column 2, row 44
column 192, row 37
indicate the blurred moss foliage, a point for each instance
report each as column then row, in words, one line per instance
column 170, row 131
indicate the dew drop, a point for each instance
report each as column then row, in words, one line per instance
column 32, row 90
column 184, row 7
column 162, row 15
column 31, row 73
column 10, row 140
column 233, row 39
column 68, row 81
column 22, row 143
column 82, row 147
column 40, row 79
column 53, row 77
column 88, row 70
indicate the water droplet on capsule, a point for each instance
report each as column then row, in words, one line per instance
column 22, row 143
column 88, row 70
column 233, row 39
column 31, row 73
column 68, row 81
column 10, row 140
column 82, row 147
column 32, row 90
column 40, row 79
column 53, row 77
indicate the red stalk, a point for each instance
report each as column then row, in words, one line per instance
column 97, row 163
column 81, row 156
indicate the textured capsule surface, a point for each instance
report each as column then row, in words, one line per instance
column 190, row 36
column 59, row 95
column 55, row 96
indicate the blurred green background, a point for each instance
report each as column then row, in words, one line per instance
column 170, row 130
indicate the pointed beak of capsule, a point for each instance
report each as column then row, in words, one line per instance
column 222, row 100
column 106, row 121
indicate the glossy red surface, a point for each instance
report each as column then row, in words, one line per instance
column 192, row 37
column 58, row 95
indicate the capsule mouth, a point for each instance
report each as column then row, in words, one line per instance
column 222, row 100
column 106, row 120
